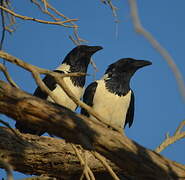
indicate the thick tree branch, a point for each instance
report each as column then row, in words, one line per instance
column 45, row 155
column 135, row 161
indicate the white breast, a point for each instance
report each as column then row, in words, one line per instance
column 62, row 96
column 111, row 106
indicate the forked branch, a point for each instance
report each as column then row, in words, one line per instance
column 62, row 23
column 179, row 134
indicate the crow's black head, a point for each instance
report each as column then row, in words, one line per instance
column 126, row 66
column 78, row 60
column 119, row 74
column 81, row 55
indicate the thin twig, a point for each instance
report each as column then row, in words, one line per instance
column 112, row 7
column 94, row 68
column 45, row 5
column 85, row 166
column 172, row 139
column 44, row 10
column 44, row 88
column 106, row 165
column 31, row 68
column 74, row 41
column 3, row 29
column 7, row 75
column 79, row 40
column 38, row 20
column 179, row 128
column 7, row 168
column 10, row 20
column 87, row 171
column 164, row 53
column 114, row 13
column 59, row 13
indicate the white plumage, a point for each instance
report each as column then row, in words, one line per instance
column 114, row 108
column 62, row 97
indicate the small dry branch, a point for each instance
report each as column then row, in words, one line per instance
column 62, row 23
column 179, row 134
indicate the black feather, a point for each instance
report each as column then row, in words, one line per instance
column 88, row 97
column 130, row 112
column 50, row 83
column 118, row 84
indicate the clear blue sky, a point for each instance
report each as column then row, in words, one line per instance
column 159, row 107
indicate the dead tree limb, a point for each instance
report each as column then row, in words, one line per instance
column 135, row 161
column 179, row 134
column 45, row 155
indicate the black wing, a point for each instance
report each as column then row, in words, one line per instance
column 50, row 83
column 88, row 97
column 130, row 112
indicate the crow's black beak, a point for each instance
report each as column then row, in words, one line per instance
column 94, row 49
column 142, row 63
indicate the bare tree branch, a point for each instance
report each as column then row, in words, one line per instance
column 62, row 23
column 135, row 161
column 106, row 165
column 60, row 160
column 112, row 7
column 3, row 26
column 7, row 75
column 180, row 127
column 87, row 171
column 9, row 20
column 164, row 53
column 172, row 139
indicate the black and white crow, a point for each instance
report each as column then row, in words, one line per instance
column 77, row 60
column 111, row 96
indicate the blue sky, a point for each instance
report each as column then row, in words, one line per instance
column 159, row 107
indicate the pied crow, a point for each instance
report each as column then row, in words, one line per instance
column 111, row 96
column 77, row 60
